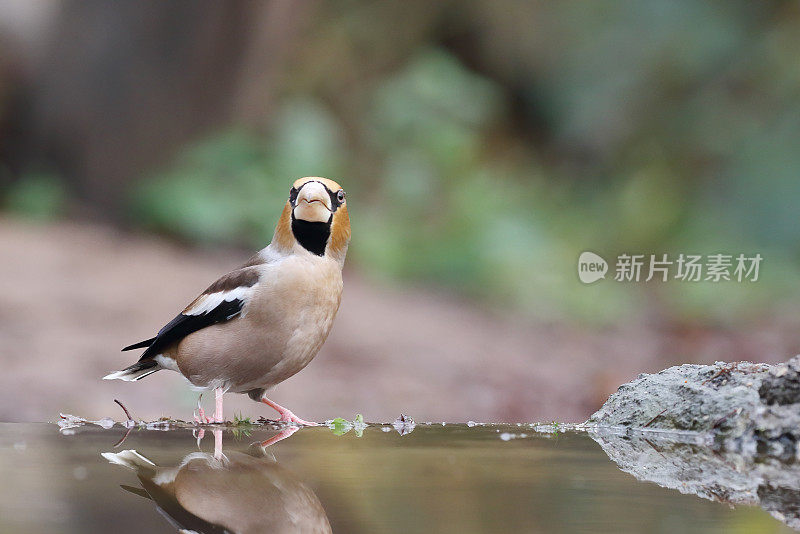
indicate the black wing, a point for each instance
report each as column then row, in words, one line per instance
column 140, row 345
column 183, row 325
column 231, row 290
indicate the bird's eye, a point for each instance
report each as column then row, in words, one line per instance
column 292, row 194
column 340, row 195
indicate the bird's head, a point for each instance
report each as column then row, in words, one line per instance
column 315, row 217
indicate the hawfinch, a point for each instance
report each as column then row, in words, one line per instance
column 262, row 323
column 239, row 492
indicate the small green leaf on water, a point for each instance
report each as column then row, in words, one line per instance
column 359, row 425
column 340, row 426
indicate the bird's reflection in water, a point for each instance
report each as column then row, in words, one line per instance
column 234, row 491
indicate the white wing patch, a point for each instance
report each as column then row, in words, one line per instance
column 206, row 303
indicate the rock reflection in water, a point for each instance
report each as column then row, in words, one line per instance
column 697, row 468
column 231, row 491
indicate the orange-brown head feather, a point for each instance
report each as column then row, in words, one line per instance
column 339, row 239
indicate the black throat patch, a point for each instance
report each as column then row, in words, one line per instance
column 313, row 236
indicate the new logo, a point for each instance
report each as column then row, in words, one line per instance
column 591, row 267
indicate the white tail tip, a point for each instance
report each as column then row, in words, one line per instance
column 128, row 458
column 127, row 376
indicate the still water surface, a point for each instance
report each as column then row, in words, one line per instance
column 435, row 479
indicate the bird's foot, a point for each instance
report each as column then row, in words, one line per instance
column 283, row 434
column 288, row 417
column 286, row 414
column 201, row 419
column 199, row 434
column 200, row 414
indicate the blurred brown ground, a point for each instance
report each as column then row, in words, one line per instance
column 72, row 295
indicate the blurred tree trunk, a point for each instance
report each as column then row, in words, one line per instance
column 122, row 85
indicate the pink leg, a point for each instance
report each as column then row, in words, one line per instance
column 200, row 415
column 218, row 417
column 217, row 443
column 286, row 415
column 283, row 434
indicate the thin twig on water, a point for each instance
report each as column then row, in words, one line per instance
column 130, row 426
column 124, row 409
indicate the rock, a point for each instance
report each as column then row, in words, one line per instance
column 745, row 407
column 727, row 432
column 782, row 386
column 686, row 464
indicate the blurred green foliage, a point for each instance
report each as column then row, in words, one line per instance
column 484, row 146
column 229, row 189
column 452, row 199
column 38, row 196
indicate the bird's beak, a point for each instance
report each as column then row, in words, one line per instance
column 313, row 203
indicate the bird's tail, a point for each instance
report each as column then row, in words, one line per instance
column 136, row 371
column 128, row 458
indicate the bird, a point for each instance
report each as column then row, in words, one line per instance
column 239, row 491
column 260, row 324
